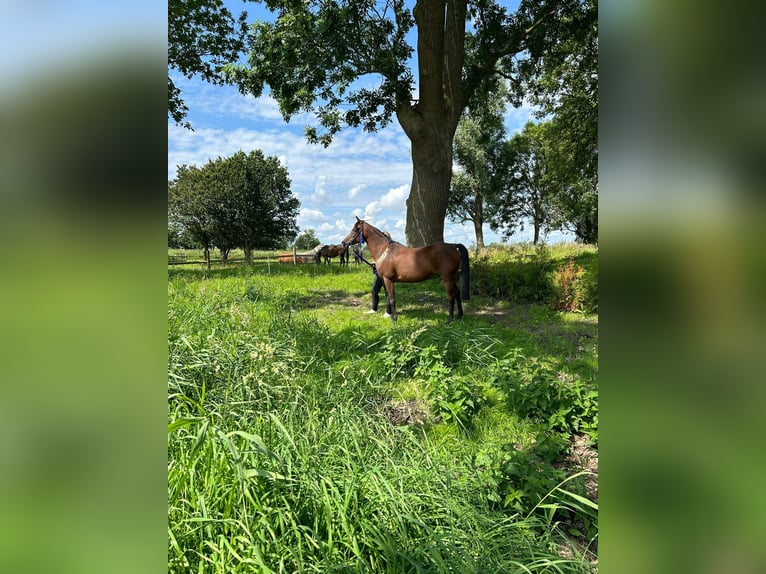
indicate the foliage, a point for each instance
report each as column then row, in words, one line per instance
column 280, row 457
column 307, row 240
column 531, row 188
column 563, row 402
column 572, row 291
column 453, row 398
column 362, row 77
column 479, row 154
column 544, row 275
column 530, row 480
column 240, row 201
column 520, row 478
column 515, row 276
column 562, row 80
column 203, row 36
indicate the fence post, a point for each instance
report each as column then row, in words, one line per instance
column 295, row 259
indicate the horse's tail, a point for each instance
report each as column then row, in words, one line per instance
column 465, row 273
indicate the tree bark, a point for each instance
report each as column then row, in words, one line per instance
column 478, row 228
column 207, row 257
column 478, row 220
column 430, row 123
column 427, row 202
column 248, row 255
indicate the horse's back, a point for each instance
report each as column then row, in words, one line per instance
column 414, row 264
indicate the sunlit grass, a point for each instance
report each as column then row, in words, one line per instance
column 280, row 455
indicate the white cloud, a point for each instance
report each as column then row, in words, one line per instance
column 320, row 191
column 354, row 191
column 396, row 198
column 307, row 213
column 371, row 210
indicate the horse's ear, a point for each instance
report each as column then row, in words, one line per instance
column 357, row 217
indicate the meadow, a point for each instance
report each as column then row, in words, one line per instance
column 305, row 435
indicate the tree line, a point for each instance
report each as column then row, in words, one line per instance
column 242, row 201
column 544, row 51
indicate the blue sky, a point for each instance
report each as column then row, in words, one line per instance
column 359, row 174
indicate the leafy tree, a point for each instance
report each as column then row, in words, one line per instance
column 562, row 82
column 203, row 36
column 240, row 201
column 532, row 185
column 307, row 240
column 479, row 152
column 188, row 207
column 347, row 61
column 577, row 198
column 264, row 210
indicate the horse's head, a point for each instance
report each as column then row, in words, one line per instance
column 354, row 235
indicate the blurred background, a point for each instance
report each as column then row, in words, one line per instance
column 83, row 287
column 682, row 138
column 83, row 327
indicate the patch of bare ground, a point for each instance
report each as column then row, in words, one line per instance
column 582, row 457
column 316, row 298
column 410, row 412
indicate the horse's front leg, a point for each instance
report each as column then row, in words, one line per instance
column 390, row 301
column 377, row 283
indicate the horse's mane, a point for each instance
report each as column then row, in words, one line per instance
column 386, row 234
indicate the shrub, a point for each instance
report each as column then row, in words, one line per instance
column 452, row 397
column 518, row 477
column 514, row 275
column 534, row 389
column 574, row 289
column 569, row 291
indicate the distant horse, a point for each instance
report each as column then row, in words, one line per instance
column 396, row 263
column 329, row 251
column 357, row 254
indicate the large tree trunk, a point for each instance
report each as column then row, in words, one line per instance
column 431, row 177
column 207, row 257
column 430, row 123
column 248, row 255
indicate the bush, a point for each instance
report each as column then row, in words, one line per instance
column 541, row 275
column 534, row 389
column 569, row 287
column 514, row 275
column 519, row 478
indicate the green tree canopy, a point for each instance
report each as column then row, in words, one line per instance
column 562, row 81
column 203, row 36
column 348, row 61
column 530, row 191
column 307, row 240
column 240, row 201
column 479, row 152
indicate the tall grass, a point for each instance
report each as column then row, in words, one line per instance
column 281, row 458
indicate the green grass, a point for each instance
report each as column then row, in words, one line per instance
column 281, row 457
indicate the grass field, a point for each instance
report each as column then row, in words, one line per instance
column 308, row 436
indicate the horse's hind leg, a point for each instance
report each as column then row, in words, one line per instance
column 390, row 301
column 459, row 300
column 453, row 293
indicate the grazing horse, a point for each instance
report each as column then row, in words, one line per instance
column 396, row 263
column 329, row 251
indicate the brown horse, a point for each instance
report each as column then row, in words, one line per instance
column 329, row 251
column 396, row 263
